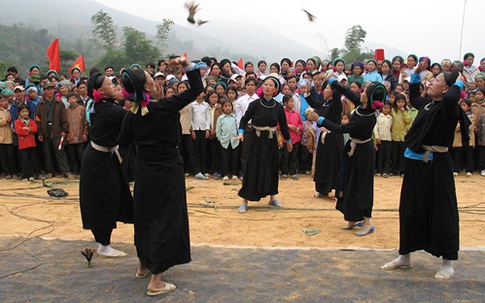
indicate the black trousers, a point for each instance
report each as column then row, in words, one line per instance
column 52, row 154
column 463, row 155
column 191, row 163
column 230, row 157
column 289, row 161
column 7, row 158
column 398, row 160
column 75, row 156
column 216, row 156
column 103, row 237
column 27, row 162
column 384, row 157
column 200, row 146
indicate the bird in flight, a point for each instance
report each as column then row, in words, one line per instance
column 193, row 8
column 310, row 16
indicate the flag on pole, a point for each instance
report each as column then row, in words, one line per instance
column 54, row 56
column 79, row 63
column 240, row 63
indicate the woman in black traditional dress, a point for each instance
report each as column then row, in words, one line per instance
column 261, row 173
column 161, row 220
column 104, row 192
column 329, row 144
column 428, row 211
column 358, row 175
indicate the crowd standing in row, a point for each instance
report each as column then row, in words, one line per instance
column 313, row 116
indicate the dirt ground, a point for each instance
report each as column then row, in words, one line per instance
column 27, row 210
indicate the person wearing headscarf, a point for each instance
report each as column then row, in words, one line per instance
column 387, row 74
column 76, row 75
column 356, row 193
column 428, row 211
column 261, row 171
column 161, row 219
column 357, row 68
column 104, row 192
column 469, row 71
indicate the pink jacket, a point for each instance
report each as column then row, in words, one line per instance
column 293, row 118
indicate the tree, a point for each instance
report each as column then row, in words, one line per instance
column 67, row 58
column 138, row 48
column 353, row 50
column 104, row 28
column 163, row 32
column 354, row 37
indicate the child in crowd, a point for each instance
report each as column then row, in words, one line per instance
column 289, row 160
column 226, row 132
column 232, row 94
column 401, row 121
column 78, row 133
column 7, row 151
column 306, row 143
column 372, row 75
column 382, row 134
column 200, row 133
column 25, row 128
column 464, row 153
column 221, row 89
column 214, row 146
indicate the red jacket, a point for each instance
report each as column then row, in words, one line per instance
column 26, row 137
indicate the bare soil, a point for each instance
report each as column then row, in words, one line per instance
column 27, row 210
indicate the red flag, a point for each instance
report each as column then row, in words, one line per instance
column 54, row 56
column 185, row 55
column 240, row 63
column 79, row 63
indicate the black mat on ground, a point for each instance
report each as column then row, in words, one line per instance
column 232, row 275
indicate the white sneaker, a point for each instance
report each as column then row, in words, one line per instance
column 468, row 174
column 455, row 174
column 225, row 178
column 235, row 178
column 482, row 173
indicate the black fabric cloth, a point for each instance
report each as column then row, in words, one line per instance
column 230, row 157
column 384, row 157
column 261, row 172
column 75, row 156
column 329, row 153
column 356, row 198
column 428, row 211
column 104, row 192
column 27, row 156
column 161, row 219
column 103, row 237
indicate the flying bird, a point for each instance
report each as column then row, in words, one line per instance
column 310, row 16
column 193, row 8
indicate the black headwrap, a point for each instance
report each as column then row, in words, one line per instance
column 450, row 77
column 376, row 95
column 134, row 82
column 95, row 82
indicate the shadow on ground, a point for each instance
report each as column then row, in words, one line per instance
column 232, row 275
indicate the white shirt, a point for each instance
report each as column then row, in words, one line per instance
column 201, row 119
column 241, row 106
column 382, row 130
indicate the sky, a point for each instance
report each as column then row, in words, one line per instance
column 424, row 27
